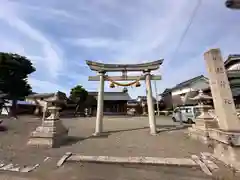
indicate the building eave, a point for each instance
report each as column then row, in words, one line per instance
column 189, row 82
column 231, row 59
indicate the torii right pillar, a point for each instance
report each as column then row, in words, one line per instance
column 226, row 139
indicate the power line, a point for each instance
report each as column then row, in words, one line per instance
column 187, row 28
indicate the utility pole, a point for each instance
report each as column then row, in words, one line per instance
column 155, row 85
column 232, row 4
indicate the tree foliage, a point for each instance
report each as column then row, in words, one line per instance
column 14, row 70
column 78, row 94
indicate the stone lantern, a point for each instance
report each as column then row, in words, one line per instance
column 204, row 121
column 51, row 132
column 143, row 104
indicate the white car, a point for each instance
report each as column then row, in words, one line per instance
column 187, row 114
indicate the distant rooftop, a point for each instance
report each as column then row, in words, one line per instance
column 45, row 95
column 167, row 90
column 144, row 98
column 113, row 96
column 232, row 60
column 41, row 95
column 188, row 82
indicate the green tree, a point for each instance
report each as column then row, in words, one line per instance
column 14, row 71
column 78, row 95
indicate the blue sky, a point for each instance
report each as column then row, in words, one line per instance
column 58, row 36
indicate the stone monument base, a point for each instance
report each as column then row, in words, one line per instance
column 200, row 130
column 226, row 147
column 51, row 134
column 198, row 134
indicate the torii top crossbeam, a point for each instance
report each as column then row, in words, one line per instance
column 101, row 67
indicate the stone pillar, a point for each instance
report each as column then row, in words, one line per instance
column 151, row 115
column 226, row 139
column 45, row 108
column 37, row 110
column 221, row 91
column 99, row 119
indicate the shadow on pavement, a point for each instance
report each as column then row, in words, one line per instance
column 125, row 130
column 171, row 128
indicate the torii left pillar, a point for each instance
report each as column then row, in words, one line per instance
column 99, row 119
column 151, row 114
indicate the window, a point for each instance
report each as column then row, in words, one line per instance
column 183, row 109
column 197, row 111
column 176, row 110
column 188, row 110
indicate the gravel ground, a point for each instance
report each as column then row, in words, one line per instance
column 124, row 136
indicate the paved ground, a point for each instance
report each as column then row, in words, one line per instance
column 125, row 136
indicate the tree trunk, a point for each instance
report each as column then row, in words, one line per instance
column 76, row 110
column 14, row 109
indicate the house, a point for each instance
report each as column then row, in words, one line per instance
column 114, row 102
column 166, row 98
column 182, row 93
column 23, row 107
column 6, row 104
column 232, row 64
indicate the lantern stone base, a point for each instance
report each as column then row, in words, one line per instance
column 200, row 130
column 198, row 134
column 51, row 134
column 226, row 147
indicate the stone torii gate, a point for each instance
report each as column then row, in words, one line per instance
column 102, row 69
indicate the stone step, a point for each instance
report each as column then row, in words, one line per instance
column 16, row 167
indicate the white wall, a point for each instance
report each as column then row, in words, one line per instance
column 201, row 84
column 181, row 91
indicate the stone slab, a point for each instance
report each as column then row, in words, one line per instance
column 134, row 160
column 227, row 154
column 47, row 141
column 63, row 159
column 230, row 138
column 202, row 165
column 29, row 168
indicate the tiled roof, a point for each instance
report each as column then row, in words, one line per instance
column 9, row 103
column 144, row 98
column 190, row 81
column 113, row 96
column 46, row 95
column 41, row 95
column 232, row 59
column 167, row 90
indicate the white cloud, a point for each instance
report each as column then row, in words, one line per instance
column 116, row 32
column 51, row 53
column 151, row 30
column 97, row 43
column 41, row 86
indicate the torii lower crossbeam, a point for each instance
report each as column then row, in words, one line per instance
column 122, row 78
